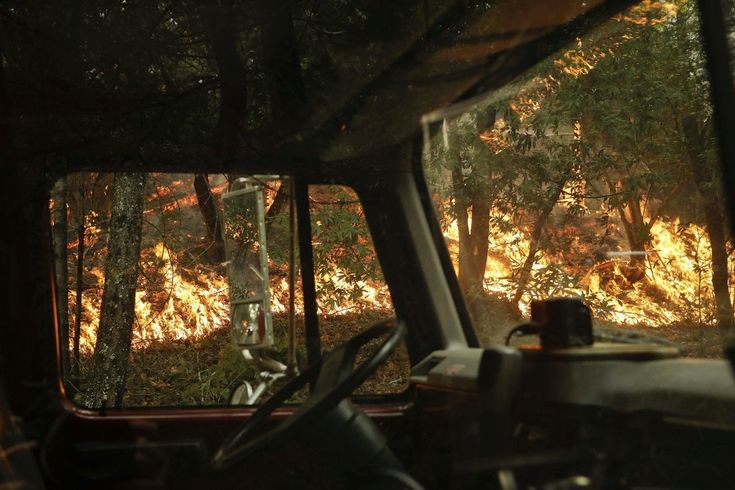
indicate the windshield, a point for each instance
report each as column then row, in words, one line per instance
column 594, row 175
column 187, row 288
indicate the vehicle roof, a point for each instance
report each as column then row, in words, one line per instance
column 422, row 56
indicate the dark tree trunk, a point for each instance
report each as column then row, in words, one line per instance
column 110, row 359
column 61, row 270
column 525, row 273
column 220, row 25
column 75, row 374
column 208, row 209
column 285, row 84
column 473, row 239
column 478, row 244
column 68, row 65
column 703, row 173
column 637, row 233
column 281, row 66
column 715, row 222
column 279, row 203
column 7, row 118
column 472, row 199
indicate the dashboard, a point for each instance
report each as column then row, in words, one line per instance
column 603, row 416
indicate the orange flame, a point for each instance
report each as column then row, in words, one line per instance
column 193, row 305
column 676, row 287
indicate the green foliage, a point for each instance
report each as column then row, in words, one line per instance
column 344, row 258
column 241, row 220
column 216, row 383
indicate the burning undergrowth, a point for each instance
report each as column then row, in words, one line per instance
column 181, row 349
column 183, row 295
column 674, row 287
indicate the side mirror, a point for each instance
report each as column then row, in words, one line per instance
column 247, row 264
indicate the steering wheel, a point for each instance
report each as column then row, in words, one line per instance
column 336, row 377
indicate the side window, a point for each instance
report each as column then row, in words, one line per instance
column 351, row 291
column 173, row 289
column 594, row 175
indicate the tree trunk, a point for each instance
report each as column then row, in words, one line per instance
column 221, row 30
column 68, row 65
column 280, row 201
column 473, row 239
column 285, row 83
column 472, row 200
column 714, row 220
column 75, row 371
column 208, row 209
column 461, row 215
column 478, row 244
column 538, row 228
column 637, row 233
column 61, row 271
column 281, row 67
column 110, row 359
column 7, row 118
column 220, row 26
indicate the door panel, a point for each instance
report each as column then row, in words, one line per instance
column 172, row 450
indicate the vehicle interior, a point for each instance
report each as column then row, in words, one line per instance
column 328, row 244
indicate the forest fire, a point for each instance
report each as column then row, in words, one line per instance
column 193, row 308
column 180, row 307
column 190, row 308
column 576, row 198
column 192, row 304
column 676, row 287
column 183, row 296
column 556, row 229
